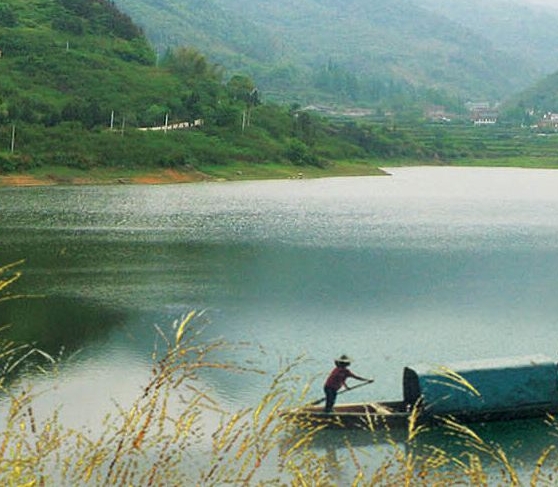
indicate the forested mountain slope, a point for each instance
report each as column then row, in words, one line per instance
column 227, row 36
column 80, row 87
column 355, row 50
column 78, row 77
column 521, row 30
column 66, row 60
column 535, row 102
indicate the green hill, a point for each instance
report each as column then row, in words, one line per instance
column 529, row 106
column 227, row 35
column 78, row 79
column 522, row 30
column 72, row 68
column 390, row 53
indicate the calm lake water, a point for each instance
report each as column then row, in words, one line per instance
column 426, row 265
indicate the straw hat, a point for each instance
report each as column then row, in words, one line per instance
column 343, row 360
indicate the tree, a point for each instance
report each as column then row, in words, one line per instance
column 191, row 65
column 300, row 154
column 305, row 127
column 242, row 88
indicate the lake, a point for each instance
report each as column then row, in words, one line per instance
column 425, row 265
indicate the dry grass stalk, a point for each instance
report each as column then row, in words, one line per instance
column 455, row 380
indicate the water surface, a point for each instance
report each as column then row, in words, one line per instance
column 426, row 265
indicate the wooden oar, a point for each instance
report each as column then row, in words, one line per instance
column 318, row 401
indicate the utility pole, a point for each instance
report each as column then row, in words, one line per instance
column 12, row 145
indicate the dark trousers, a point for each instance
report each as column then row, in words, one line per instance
column 331, row 395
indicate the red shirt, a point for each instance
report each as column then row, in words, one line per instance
column 337, row 377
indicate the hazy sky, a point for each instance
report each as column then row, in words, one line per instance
column 550, row 3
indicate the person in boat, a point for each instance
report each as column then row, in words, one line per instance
column 337, row 379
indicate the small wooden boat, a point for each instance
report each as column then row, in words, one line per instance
column 477, row 391
column 371, row 416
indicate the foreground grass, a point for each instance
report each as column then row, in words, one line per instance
column 148, row 443
column 151, row 443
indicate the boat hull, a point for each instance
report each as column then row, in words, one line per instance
column 369, row 416
column 501, row 389
column 396, row 415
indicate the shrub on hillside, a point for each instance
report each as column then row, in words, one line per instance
column 8, row 17
column 299, row 154
column 69, row 23
column 6, row 164
column 16, row 163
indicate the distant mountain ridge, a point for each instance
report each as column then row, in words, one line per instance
column 202, row 24
column 523, row 31
column 286, row 46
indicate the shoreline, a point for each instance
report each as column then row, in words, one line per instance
column 59, row 176
column 65, row 176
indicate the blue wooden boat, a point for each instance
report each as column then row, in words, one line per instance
column 475, row 391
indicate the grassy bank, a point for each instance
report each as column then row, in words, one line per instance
column 43, row 176
column 235, row 172
column 46, row 176
column 238, row 171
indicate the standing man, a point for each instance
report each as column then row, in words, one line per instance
column 337, row 379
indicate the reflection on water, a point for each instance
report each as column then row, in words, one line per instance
column 522, row 442
column 428, row 265
column 50, row 322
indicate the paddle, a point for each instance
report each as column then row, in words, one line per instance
column 318, row 401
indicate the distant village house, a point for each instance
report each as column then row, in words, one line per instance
column 482, row 113
column 548, row 121
column 437, row 113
